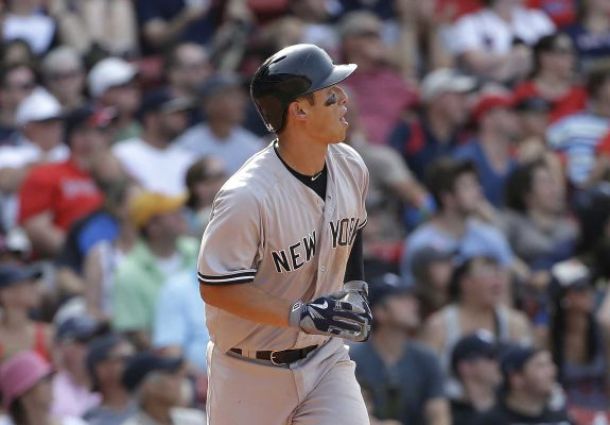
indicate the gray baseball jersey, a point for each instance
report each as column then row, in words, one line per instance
column 268, row 229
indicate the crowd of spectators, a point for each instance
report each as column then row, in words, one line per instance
column 485, row 125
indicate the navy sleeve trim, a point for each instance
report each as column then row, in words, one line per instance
column 227, row 279
column 361, row 225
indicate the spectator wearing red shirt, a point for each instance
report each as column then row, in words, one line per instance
column 553, row 77
column 380, row 91
column 56, row 195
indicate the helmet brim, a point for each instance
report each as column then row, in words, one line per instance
column 338, row 74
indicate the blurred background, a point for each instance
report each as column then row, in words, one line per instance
column 485, row 125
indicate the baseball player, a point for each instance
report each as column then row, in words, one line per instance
column 280, row 265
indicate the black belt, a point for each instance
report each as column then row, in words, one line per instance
column 280, row 357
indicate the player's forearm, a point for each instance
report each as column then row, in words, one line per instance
column 248, row 302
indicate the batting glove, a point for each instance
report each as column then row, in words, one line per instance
column 330, row 316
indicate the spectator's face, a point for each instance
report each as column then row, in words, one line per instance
column 311, row 10
column 484, row 370
column 170, row 225
column 19, row 84
column 26, row 295
column 89, row 142
column 467, row 193
column 111, row 370
column 73, row 355
column 485, row 281
column 534, row 123
column 579, row 300
column 192, row 68
column 454, row 106
column 228, row 106
column 546, row 192
column 439, row 274
column 46, row 134
column 125, row 98
column 66, row 82
column 539, row 375
column 206, row 189
column 600, row 6
column 39, row 397
column 365, row 44
column 561, row 62
column 503, row 121
column 402, row 311
column 172, row 124
column 166, row 388
column 603, row 94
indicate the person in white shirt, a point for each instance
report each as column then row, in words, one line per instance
column 222, row 136
column 152, row 160
column 494, row 42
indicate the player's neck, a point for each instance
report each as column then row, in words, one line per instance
column 302, row 156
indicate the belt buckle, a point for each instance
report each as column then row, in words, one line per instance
column 273, row 360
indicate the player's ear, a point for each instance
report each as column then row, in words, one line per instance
column 297, row 111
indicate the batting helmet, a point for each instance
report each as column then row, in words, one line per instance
column 292, row 72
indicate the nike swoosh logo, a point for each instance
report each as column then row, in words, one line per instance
column 314, row 178
column 323, row 306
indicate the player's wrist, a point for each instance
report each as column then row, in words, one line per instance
column 295, row 314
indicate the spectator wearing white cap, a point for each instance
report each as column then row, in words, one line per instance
column 39, row 119
column 64, row 75
column 112, row 83
column 439, row 127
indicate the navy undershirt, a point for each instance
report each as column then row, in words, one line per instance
column 355, row 263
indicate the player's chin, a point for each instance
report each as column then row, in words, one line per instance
column 338, row 136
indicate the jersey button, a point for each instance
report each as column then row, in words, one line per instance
column 322, row 269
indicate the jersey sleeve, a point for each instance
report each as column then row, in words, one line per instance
column 231, row 244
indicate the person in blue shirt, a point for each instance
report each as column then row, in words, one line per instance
column 490, row 151
column 455, row 186
column 179, row 326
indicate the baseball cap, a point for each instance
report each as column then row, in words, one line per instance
column 108, row 73
column 39, row 106
column 445, row 80
column 218, row 83
column 99, row 350
column 89, row 117
column 146, row 205
column 80, row 329
column 145, row 362
column 558, row 42
column 385, row 286
column 514, row 358
column 480, row 344
column 532, row 104
column 570, row 274
column 490, row 101
column 12, row 274
column 163, row 101
column 20, row 373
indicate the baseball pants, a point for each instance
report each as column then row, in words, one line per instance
column 318, row 390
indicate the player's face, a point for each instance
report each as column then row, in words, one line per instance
column 326, row 117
